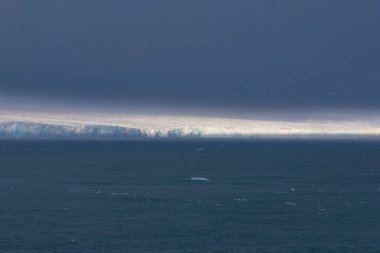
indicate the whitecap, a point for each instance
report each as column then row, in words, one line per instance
column 241, row 200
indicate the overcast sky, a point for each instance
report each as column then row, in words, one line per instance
column 244, row 55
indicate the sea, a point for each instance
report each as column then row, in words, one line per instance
column 257, row 196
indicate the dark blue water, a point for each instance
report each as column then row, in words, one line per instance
column 264, row 196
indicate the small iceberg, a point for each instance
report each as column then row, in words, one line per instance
column 200, row 179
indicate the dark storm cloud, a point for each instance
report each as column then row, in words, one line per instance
column 230, row 54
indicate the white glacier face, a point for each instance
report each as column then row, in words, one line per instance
column 42, row 130
column 119, row 126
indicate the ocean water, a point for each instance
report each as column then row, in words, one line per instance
column 190, row 196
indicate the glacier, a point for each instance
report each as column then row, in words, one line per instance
column 42, row 130
column 36, row 125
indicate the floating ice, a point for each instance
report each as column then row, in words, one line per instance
column 119, row 194
column 199, row 179
column 241, row 200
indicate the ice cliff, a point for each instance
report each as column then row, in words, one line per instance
column 103, row 126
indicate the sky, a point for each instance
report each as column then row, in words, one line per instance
column 240, row 56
